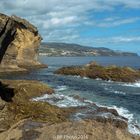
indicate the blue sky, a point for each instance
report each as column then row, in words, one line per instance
column 113, row 24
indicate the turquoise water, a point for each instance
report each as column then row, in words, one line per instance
column 122, row 96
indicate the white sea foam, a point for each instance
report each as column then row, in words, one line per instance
column 115, row 91
column 119, row 92
column 66, row 101
column 60, row 100
column 131, row 124
column 125, row 113
column 70, row 102
column 77, row 76
column 85, row 78
column 61, row 88
column 98, row 79
column 136, row 84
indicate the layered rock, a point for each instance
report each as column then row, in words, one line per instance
column 19, row 42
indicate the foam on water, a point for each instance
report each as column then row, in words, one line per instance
column 132, row 124
column 114, row 91
column 60, row 100
column 61, row 88
column 85, row 78
column 66, row 101
column 136, row 84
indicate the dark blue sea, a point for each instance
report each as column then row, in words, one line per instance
column 124, row 97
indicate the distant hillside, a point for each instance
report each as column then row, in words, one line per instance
column 65, row 49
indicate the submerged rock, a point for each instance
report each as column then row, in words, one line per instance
column 19, row 43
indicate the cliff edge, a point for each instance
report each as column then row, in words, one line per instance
column 19, row 43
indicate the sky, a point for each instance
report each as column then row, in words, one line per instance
column 114, row 24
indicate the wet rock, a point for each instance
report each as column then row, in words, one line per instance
column 119, row 123
column 105, row 110
column 94, row 71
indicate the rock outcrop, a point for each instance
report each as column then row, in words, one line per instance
column 16, row 103
column 94, row 71
column 19, row 42
column 80, row 130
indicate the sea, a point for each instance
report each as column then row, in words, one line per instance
column 124, row 97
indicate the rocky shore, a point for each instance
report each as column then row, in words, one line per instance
column 94, row 71
column 22, row 118
column 16, row 103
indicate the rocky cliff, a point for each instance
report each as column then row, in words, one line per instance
column 19, row 42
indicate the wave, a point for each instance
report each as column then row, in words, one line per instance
column 64, row 101
column 60, row 100
column 114, row 91
column 136, row 84
column 85, row 78
column 132, row 123
column 77, row 76
column 61, row 88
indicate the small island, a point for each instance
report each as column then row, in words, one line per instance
column 94, row 71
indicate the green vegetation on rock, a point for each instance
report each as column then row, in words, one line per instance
column 22, row 106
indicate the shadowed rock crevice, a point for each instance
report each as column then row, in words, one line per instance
column 6, row 93
column 6, row 37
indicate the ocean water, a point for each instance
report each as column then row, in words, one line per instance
column 124, row 97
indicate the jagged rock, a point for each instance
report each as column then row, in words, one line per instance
column 19, row 42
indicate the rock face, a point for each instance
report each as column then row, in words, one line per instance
column 19, row 42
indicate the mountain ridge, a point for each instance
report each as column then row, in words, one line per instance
column 72, row 49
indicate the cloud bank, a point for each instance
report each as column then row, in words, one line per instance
column 79, row 21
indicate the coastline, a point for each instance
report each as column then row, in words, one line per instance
column 49, row 117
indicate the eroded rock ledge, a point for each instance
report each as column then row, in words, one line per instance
column 19, row 43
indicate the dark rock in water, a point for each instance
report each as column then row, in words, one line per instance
column 114, row 121
column 103, row 109
column 19, row 43
column 94, row 71
column 101, row 114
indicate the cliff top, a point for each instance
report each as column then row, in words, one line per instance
column 20, row 21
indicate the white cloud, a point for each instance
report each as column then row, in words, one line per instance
column 110, row 22
column 58, row 20
column 116, row 40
